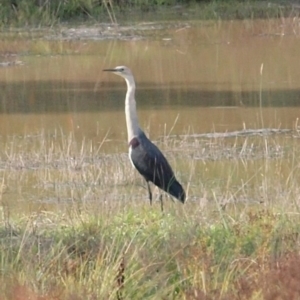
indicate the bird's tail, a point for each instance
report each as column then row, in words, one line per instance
column 176, row 190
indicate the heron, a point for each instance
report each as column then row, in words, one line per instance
column 143, row 154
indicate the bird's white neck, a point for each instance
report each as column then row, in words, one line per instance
column 132, row 122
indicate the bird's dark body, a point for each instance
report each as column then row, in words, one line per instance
column 153, row 166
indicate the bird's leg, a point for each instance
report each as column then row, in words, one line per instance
column 161, row 203
column 150, row 193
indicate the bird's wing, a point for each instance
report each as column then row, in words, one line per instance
column 150, row 162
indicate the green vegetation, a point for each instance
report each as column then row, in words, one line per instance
column 91, row 233
column 141, row 254
column 75, row 222
column 45, row 13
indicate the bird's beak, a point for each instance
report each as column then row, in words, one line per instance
column 109, row 70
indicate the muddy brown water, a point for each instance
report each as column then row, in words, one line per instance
column 192, row 77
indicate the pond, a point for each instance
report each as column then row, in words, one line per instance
column 192, row 78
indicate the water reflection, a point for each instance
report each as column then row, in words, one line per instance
column 194, row 70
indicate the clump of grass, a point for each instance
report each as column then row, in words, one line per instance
column 146, row 255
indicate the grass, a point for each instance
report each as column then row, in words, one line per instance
column 75, row 222
column 49, row 13
column 90, row 233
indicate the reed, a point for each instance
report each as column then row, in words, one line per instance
column 76, row 223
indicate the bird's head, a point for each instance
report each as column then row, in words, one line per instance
column 121, row 71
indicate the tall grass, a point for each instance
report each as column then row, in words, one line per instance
column 90, row 233
column 50, row 13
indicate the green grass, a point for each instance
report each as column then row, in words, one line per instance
column 49, row 13
column 90, row 233
column 170, row 256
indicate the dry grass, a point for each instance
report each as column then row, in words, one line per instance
column 77, row 225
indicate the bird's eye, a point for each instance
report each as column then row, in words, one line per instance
column 122, row 69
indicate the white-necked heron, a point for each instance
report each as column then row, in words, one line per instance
column 143, row 154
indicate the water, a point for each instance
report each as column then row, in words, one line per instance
column 192, row 77
column 196, row 71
